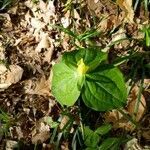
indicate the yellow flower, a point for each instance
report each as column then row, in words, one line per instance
column 82, row 68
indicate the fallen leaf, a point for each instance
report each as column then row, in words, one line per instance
column 132, row 145
column 120, row 34
column 41, row 87
column 66, row 20
column 19, row 132
column 103, row 25
column 11, row 76
column 64, row 121
column 42, row 6
column 76, row 15
column 10, row 145
column 96, row 1
column 2, row 50
column 7, row 16
column 48, row 9
column 126, row 6
column 37, row 24
column 2, row 68
column 13, row 10
column 4, row 86
column 65, row 145
column 14, row 74
column 44, row 43
column 146, row 134
column 132, row 104
column 41, row 133
column 118, row 120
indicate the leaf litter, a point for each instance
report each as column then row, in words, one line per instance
column 30, row 45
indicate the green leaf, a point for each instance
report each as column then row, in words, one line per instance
column 66, row 84
column 103, row 86
column 91, row 57
column 104, row 129
column 104, row 89
column 91, row 139
column 110, row 143
column 69, row 74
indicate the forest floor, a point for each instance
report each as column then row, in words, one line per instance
column 33, row 36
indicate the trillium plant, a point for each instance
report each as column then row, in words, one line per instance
column 85, row 72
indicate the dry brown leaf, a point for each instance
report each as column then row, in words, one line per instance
column 103, row 25
column 92, row 5
column 132, row 104
column 96, row 1
column 120, row 34
column 13, row 10
column 2, row 68
column 48, row 10
column 126, row 6
column 19, row 132
column 76, row 15
column 132, row 145
column 64, row 121
column 15, row 74
column 10, row 145
column 66, row 21
column 7, row 16
column 41, row 133
column 44, row 43
column 118, row 120
column 146, row 134
column 33, row 7
column 48, row 54
column 42, row 6
column 37, row 24
column 40, row 87
column 7, row 26
column 12, row 75
column 2, row 51
column 107, row 12
column 65, row 145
